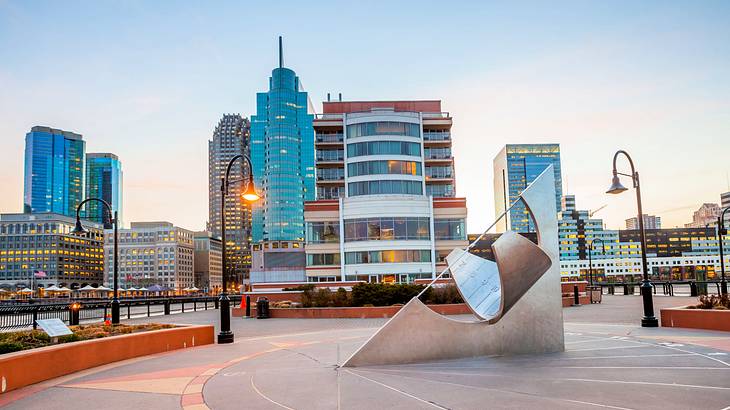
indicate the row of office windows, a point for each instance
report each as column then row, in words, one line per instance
column 387, row 228
column 384, row 148
column 384, row 167
column 385, row 187
column 394, row 256
column 384, row 128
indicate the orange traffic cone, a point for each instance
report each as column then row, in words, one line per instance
column 108, row 319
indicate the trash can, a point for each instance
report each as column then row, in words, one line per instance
column 262, row 308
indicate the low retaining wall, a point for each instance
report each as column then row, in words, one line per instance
column 350, row 312
column 20, row 369
column 696, row 318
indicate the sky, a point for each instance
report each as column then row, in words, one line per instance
column 149, row 81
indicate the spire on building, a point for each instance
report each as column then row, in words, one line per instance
column 281, row 54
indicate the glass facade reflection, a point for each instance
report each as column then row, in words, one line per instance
column 385, row 187
column 282, row 153
column 104, row 181
column 394, row 256
column 388, row 228
column 54, row 171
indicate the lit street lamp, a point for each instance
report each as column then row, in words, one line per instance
column 721, row 230
column 249, row 194
column 78, row 229
column 649, row 320
column 590, row 259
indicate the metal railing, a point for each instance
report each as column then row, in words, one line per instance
column 437, row 136
column 696, row 287
column 24, row 315
column 329, row 138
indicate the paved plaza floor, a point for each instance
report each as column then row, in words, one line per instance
column 609, row 362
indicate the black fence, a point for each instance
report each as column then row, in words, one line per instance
column 696, row 287
column 24, row 315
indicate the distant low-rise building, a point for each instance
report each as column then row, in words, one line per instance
column 705, row 216
column 151, row 253
column 39, row 250
column 278, row 261
column 650, row 222
column 208, row 262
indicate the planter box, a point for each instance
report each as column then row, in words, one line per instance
column 20, row 369
column 696, row 318
column 351, row 312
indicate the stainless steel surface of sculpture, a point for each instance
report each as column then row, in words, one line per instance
column 517, row 299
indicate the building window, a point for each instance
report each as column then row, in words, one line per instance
column 385, row 187
column 384, row 128
column 384, row 167
column 323, row 232
column 384, row 148
column 323, row 259
column 387, row 228
column 395, row 256
column 449, row 229
column 440, row 190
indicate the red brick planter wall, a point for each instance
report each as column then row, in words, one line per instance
column 351, row 312
column 696, row 318
column 20, row 369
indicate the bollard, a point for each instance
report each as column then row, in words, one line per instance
column 248, row 306
column 167, row 307
column 576, row 296
column 74, row 314
column 626, row 289
column 35, row 317
column 216, row 303
column 129, row 310
column 692, row 288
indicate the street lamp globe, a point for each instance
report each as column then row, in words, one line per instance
column 616, row 186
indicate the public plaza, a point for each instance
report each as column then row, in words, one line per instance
column 609, row 362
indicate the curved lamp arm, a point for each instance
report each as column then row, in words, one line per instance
column 249, row 180
column 631, row 162
column 79, row 228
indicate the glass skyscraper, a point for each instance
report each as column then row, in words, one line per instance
column 103, row 181
column 515, row 167
column 282, row 153
column 54, row 171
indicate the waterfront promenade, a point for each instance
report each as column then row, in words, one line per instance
column 609, row 362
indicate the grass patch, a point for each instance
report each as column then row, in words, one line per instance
column 31, row 339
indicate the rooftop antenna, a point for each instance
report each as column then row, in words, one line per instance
column 281, row 54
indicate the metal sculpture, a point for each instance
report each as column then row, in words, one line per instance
column 517, row 299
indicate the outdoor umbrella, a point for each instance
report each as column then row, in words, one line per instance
column 87, row 288
column 52, row 288
column 25, row 290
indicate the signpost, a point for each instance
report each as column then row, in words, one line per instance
column 54, row 328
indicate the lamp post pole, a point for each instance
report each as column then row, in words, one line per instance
column 721, row 231
column 79, row 229
column 590, row 259
column 226, row 335
column 648, row 320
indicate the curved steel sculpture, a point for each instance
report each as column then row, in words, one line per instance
column 524, row 282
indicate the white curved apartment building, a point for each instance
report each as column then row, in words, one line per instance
column 385, row 182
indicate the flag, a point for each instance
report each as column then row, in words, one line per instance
column 39, row 274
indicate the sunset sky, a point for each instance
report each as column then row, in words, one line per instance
column 148, row 81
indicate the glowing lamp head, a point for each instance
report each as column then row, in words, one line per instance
column 250, row 194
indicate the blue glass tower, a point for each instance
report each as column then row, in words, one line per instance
column 282, row 155
column 54, row 171
column 104, row 181
column 515, row 167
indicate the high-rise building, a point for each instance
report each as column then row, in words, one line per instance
column 103, row 181
column 54, row 171
column 39, row 250
column 650, row 222
column 515, row 167
column 567, row 203
column 706, row 215
column 282, row 151
column 725, row 200
column 231, row 138
column 577, row 230
column 386, row 210
column 151, row 253
column 207, row 262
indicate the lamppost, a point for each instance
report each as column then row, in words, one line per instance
column 649, row 320
column 250, row 195
column 721, row 230
column 78, row 229
column 590, row 260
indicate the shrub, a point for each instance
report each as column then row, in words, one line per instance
column 381, row 294
column 713, row 302
column 341, row 298
column 440, row 295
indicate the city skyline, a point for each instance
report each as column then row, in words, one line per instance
column 655, row 92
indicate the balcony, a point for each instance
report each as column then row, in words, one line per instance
column 330, row 156
column 438, row 154
column 437, row 136
column 329, row 138
column 337, row 176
